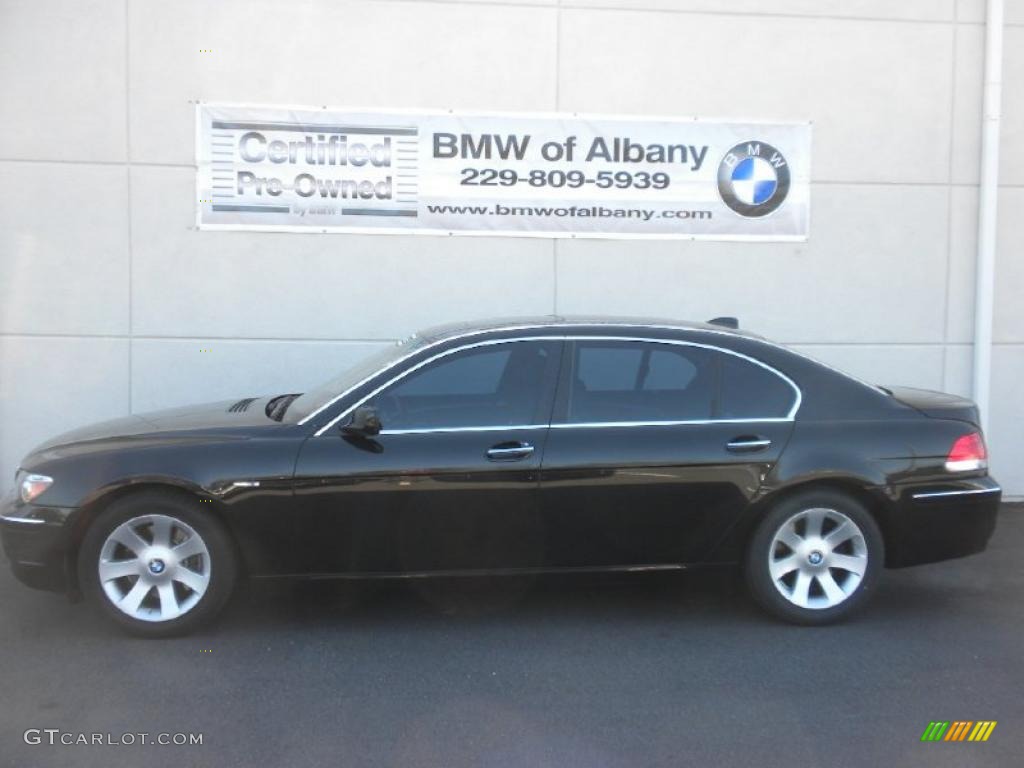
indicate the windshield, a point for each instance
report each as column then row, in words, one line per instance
column 316, row 398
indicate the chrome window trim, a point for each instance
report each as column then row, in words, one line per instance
column 432, row 430
column 569, row 326
column 582, row 425
column 593, row 424
column 564, row 425
column 963, row 492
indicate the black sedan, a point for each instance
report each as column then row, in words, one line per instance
column 546, row 444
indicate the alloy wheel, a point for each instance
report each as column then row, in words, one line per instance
column 154, row 567
column 817, row 558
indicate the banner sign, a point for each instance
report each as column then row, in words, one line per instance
column 327, row 170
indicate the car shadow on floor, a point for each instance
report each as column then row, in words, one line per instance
column 703, row 596
column 710, row 592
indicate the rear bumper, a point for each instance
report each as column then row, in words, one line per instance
column 35, row 540
column 942, row 521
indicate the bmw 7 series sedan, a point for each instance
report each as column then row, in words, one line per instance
column 514, row 447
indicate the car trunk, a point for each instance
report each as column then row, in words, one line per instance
column 938, row 405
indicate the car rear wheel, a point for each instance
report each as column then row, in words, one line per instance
column 156, row 564
column 815, row 558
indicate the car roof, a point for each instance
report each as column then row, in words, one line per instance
column 578, row 322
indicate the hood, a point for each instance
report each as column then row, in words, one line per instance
column 188, row 421
column 938, row 405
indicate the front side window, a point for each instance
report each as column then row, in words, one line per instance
column 319, row 397
column 615, row 381
column 488, row 386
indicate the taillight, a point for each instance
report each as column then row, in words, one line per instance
column 968, row 453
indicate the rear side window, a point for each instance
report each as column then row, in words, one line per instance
column 636, row 381
column 750, row 391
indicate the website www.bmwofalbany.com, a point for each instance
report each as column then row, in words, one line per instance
column 56, row 737
column 573, row 211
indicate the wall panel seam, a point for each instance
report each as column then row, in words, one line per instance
column 128, row 187
column 200, row 339
column 702, row 12
column 949, row 198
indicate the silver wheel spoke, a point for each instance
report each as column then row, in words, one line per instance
column 814, row 518
column 169, row 608
column 194, row 581
column 849, row 563
column 833, row 592
column 790, row 538
column 126, row 536
column 161, row 529
column 130, row 602
column 843, row 532
column 802, row 589
column 189, row 548
column 780, row 568
column 116, row 569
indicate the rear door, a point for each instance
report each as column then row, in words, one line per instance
column 655, row 449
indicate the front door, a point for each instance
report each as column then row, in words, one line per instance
column 450, row 484
column 655, row 449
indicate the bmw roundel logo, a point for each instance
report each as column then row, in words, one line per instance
column 753, row 178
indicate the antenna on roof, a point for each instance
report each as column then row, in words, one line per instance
column 725, row 322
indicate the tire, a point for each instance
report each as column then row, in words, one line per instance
column 156, row 564
column 815, row 579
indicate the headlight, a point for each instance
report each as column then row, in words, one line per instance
column 30, row 485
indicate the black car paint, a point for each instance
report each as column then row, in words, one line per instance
column 343, row 505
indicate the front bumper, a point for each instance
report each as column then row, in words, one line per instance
column 36, row 541
column 942, row 521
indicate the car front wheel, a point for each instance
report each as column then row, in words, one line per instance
column 815, row 558
column 156, row 564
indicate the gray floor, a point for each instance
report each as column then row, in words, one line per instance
column 569, row 671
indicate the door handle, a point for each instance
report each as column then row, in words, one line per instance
column 747, row 444
column 509, row 451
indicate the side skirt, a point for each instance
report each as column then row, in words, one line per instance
column 476, row 573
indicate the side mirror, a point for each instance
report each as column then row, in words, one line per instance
column 364, row 422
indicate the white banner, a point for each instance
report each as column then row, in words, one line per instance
column 341, row 170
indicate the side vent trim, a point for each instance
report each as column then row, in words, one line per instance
column 242, row 405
